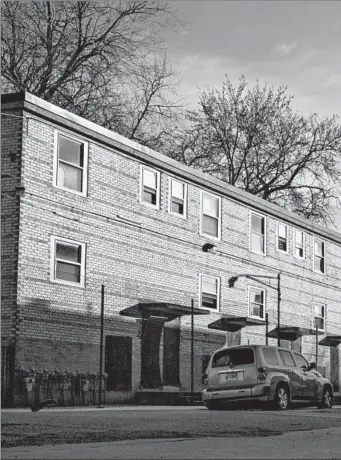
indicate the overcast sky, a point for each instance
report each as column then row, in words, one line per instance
column 295, row 43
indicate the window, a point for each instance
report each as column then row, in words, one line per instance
column 209, row 292
column 299, row 244
column 319, row 317
column 257, row 237
column 150, row 186
column 234, row 357
column 210, row 215
column 68, row 261
column 287, row 358
column 319, row 256
column 270, row 356
column 300, row 360
column 177, row 197
column 282, row 237
column 256, row 303
column 71, row 168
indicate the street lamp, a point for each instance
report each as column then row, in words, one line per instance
column 233, row 280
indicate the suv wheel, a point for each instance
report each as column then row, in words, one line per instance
column 281, row 401
column 327, row 399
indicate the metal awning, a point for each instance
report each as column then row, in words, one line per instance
column 169, row 311
column 331, row 340
column 291, row 333
column 232, row 323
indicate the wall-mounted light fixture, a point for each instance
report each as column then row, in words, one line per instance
column 20, row 190
column 209, row 247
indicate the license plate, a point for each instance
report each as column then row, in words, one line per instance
column 228, row 376
column 231, row 376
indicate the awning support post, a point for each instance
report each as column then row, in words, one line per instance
column 317, row 344
column 192, row 349
column 266, row 328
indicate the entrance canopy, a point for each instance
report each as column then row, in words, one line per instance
column 291, row 333
column 331, row 341
column 232, row 323
column 169, row 311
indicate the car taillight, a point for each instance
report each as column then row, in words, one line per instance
column 262, row 373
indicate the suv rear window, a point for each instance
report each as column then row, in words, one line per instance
column 270, row 356
column 236, row 357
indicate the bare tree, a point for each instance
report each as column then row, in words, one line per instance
column 96, row 59
column 253, row 139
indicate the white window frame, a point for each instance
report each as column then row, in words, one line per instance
column 320, row 317
column 303, row 243
column 206, row 235
column 250, row 232
column 184, row 215
column 324, row 256
column 218, row 292
column 145, row 203
column 54, row 241
column 250, row 288
column 79, row 140
column 287, row 237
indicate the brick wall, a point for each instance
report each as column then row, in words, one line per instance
column 11, row 139
column 140, row 253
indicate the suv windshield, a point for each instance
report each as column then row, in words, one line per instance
column 234, row 357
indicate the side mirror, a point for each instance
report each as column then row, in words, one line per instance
column 312, row 366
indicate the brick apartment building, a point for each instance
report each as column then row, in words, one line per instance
column 83, row 207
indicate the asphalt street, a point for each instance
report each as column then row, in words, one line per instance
column 171, row 432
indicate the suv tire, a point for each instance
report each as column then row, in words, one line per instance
column 212, row 405
column 281, row 400
column 327, row 399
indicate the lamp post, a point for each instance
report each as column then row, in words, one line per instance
column 233, row 280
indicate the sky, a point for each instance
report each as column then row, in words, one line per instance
column 291, row 43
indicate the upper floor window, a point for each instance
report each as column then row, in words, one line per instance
column 177, row 197
column 299, row 244
column 150, row 187
column 209, row 292
column 319, row 263
column 71, row 163
column 257, row 233
column 257, row 303
column 282, row 237
column 68, row 261
column 210, row 215
column 319, row 317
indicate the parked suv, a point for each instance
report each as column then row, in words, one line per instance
column 274, row 375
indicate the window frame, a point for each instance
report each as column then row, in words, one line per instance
column 79, row 140
column 201, row 275
column 207, row 235
column 290, row 354
column 184, row 215
column 250, row 232
column 158, row 187
column 250, row 288
column 66, row 241
column 324, row 256
column 287, row 238
column 320, row 317
column 296, row 353
column 303, row 244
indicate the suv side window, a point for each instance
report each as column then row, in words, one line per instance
column 270, row 356
column 300, row 360
column 287, row 358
